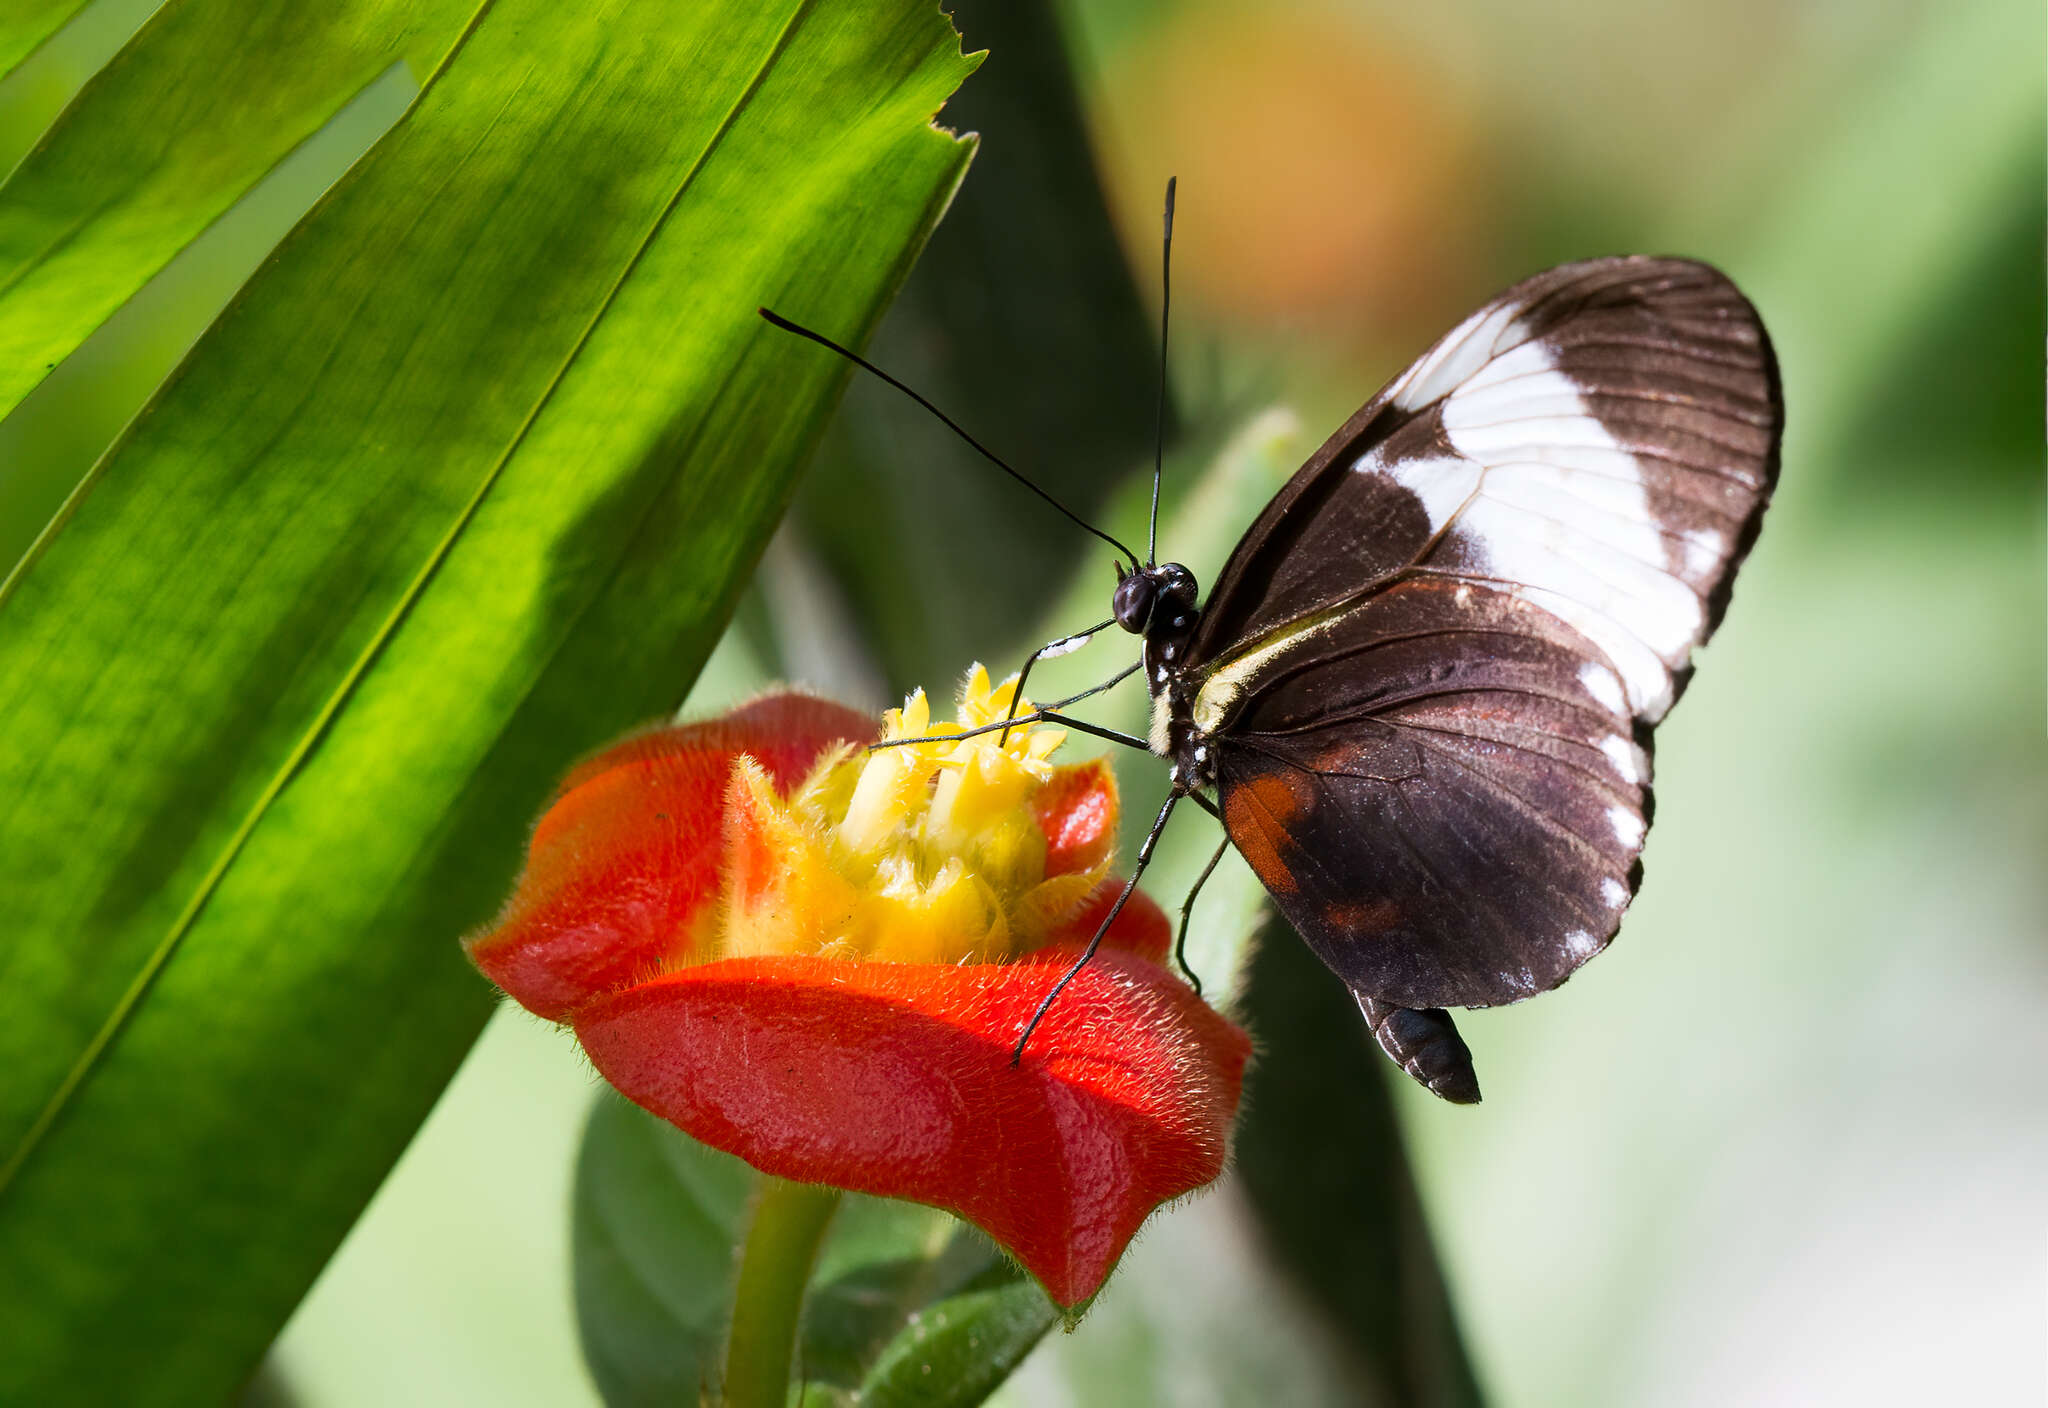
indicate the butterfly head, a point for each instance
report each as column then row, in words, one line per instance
column 1156, row 602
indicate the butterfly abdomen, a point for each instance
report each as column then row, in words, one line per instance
column 1427, row 1046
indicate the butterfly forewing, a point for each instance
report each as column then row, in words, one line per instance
column 1600, row 439
column 1431, row 666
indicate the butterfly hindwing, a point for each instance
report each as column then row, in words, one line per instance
column 1437, row 797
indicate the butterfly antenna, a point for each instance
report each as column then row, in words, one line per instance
column 986, row 453
column 1159, row 421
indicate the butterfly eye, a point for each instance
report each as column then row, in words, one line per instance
column 1178, row 584
column 1133, row 601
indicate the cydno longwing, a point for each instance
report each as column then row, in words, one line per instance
column 1423, row 688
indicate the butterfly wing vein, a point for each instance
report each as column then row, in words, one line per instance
column 1433, row 664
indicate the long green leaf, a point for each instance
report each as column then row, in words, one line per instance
column 51, row 440
column 182, row 123
column 1023, row 321
column 463, row 482
column 186, row 118
column 24, row 24
column 1320, row 1156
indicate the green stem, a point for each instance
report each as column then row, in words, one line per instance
column 775, row 1268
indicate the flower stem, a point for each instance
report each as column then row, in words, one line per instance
column 775, row 1268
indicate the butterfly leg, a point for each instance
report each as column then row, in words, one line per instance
column 1036, row 716
column 1051, row 650
column 1111, row 683
column 1424, row 1043
column 1094, row 689
column 1187, row 909
column 1123, row 898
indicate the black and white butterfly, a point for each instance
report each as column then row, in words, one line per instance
column 1420, row 695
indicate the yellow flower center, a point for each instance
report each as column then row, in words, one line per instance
column 921, row 853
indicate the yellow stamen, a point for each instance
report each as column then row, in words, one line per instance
column 926, row 853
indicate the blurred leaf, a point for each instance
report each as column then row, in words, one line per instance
column 1956, row 416
column 658, row 1219
column 1319, row 1152
column 1926, row 152
column 24, row 24
column 883, row 1262
column 897, row 1288
column 462, row 483
column 1021, row 322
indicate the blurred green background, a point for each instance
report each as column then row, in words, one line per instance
column 1786, row 1142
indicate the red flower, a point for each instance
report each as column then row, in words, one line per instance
column 819, row 958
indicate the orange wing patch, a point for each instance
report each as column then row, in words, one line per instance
column 1257, row 814
column 1365, row 919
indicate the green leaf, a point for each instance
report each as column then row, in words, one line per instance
column 658, row 1218
column 53, row 437
column 182, row 123
column 961, row 1348
column 897, row 1287
column 203, row 101
column 1022, row 321
column 25, row 24
column 884, row 1262
column 1320, row 1156
column 463, row 482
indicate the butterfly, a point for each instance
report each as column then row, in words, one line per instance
column 1421, row 693
column 1423, row 687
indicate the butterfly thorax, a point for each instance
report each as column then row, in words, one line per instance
column 1161, row 603
column 1175, row 734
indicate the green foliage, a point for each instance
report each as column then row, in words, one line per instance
column 960, row 1348
column 179, row 126
column 1025, row 324
column 26, row 24
column 464, row 481
column 905, row 1305
column 1320, row 1155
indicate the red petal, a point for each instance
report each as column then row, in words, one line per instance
column 624, row 863
column 895, row 1079
column 785, row 731
column 1141, row 928
column 1077, row 809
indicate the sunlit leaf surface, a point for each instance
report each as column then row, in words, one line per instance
column 26, row 23
column 464, row 481
column 186, row 118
